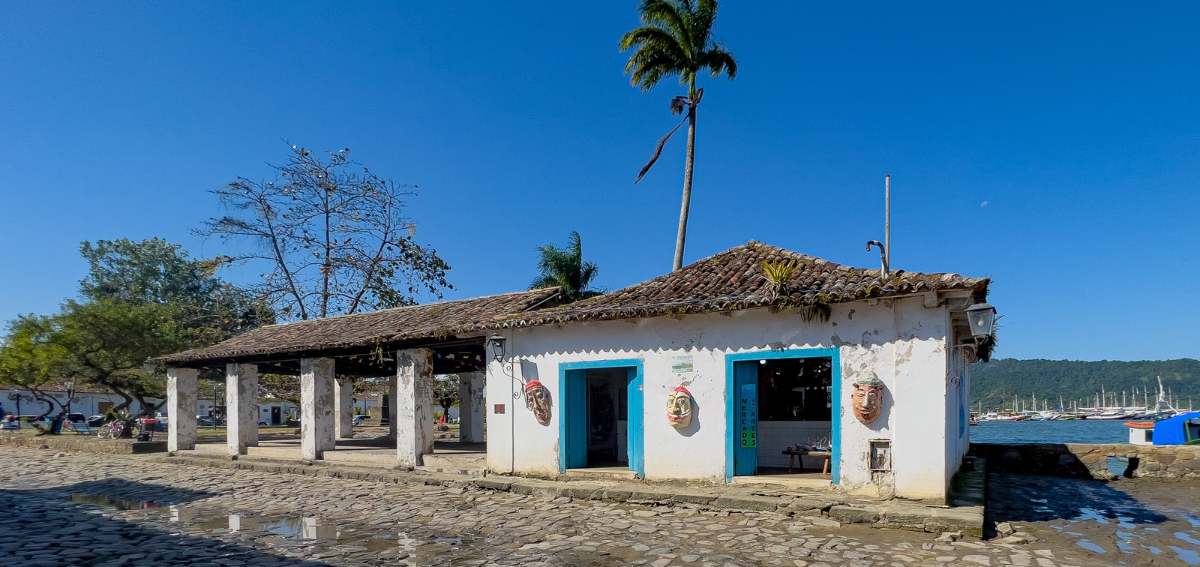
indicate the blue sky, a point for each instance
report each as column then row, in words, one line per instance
column 1052, row 147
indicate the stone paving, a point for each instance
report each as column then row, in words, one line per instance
column 83, row 509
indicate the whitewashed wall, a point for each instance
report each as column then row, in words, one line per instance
column 958, row 410
column 901, row 341
column 87, row 403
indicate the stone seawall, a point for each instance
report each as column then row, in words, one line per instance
column 1092, row 461
column 84, row 444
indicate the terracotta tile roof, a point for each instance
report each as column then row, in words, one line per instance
column 734, row 280
column 728, row 281
column 446, row 319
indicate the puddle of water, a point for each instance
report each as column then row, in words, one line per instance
column 1090, row 515
column 282, row 531
column 1088, row 545
column 110, row 502
column 1188, row 556
column 1117, row 465
column 1187, row 537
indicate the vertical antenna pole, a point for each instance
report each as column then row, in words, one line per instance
column 887, row 218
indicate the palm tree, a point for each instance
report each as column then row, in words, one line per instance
column 675, row 40
column 564, row 267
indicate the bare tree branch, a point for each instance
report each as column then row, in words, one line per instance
column 330, row 235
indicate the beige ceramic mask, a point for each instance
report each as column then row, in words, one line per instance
column 679, row 407
column 868, row 399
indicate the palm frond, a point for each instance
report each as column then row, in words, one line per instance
column 678, row 104
column 717, row 60
column 670, row 17
column 653, row 37
column 650, row 62
column 702, row 17
column 662, row 142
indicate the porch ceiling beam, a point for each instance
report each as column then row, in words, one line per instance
column 388, row 349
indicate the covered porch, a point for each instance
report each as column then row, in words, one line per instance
column 408, row 348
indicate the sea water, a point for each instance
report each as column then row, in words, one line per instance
column 1073, row 431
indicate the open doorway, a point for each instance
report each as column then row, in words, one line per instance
column 602, row 416
column 783, row 415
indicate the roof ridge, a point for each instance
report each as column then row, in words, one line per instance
column 403, row 307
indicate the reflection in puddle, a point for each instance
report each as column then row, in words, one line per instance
column 1106, row 519
column 307, row 533
column 1187, row 537
column 1186, row 555
column 1090, row 514
column 110, row 502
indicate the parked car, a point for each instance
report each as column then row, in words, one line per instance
column 359, row 420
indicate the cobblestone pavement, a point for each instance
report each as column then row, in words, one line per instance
column 79, row 509
column 1127, row 522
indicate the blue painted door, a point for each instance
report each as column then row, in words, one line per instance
column 635, row 439
column 574, row 411
column 745, row 418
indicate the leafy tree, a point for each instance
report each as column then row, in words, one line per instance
column 280, row 386
column 445, row 392
column 207, row 308
column 106, row 343
column 30, row 361
column 330, row 236
column 566, row 268
column 675, row 39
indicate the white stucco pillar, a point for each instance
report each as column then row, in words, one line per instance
column 391, row 401
column 181, row 409
column 316, row 407
column 471, row 407
column 413, row 412
column 343, row 408
column 241, row 408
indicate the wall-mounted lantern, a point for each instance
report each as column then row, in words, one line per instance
column 982, row 319
column 496, row 343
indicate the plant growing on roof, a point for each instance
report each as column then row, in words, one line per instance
column 778, row 273
column 331, row 237
column 676, row 39
column 565, row 267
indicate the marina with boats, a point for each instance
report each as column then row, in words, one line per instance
column 1160, row 423
column 1103, row 406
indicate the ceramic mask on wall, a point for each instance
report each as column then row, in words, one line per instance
column 537, row 399
column 867, row 398
column 679, row 407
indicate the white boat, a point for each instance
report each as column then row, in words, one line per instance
column 1112, row 413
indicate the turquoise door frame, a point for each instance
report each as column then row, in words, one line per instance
column 572, row 418
column 745, row 426
column 731, row 398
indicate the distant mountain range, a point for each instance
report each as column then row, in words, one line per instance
column 995, row 383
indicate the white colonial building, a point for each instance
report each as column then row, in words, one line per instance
column 760, row 373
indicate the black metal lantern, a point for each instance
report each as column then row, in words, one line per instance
column 496, row 342
column 982, row 319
